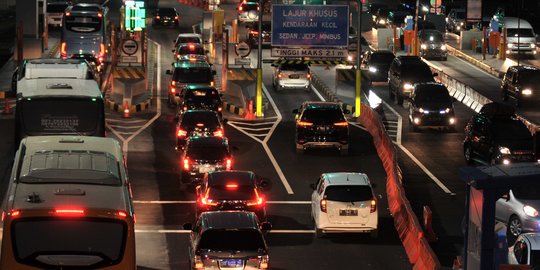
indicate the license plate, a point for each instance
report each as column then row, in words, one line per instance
column 206, row 168
column 232, row 263
column 322, row 129
column 295, row 76
column 348, row 212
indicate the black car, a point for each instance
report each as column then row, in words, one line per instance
column 190, row 49
column 322, row 125
column 188, row 73
column 203, row 155
column 231, row 190
column 228, row 240
column 253, row 34
column 405, row 71
column 432, row 45
column 377, row 64
column 496, row 136
column 521, row 83
column 197, row 123
column 166, row 16
column 431, row 105
column 200, row 97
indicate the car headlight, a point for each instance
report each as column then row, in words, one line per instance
column 447, row 110
column 530, row 211
column 372, row 69
column 504, row 150
column 423, row 111
column 349, row 58
column 461, row 23
column 423, row 46
column 533, row 45
column 407, row 86
column 443, row 47
column 526, row 92
column 382, row 21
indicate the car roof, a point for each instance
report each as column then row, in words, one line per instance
column 497, row 109
column 58, row 87
column 381, row 52
column 85, row 8
column 193, row 112
column 525, row 67
column 320, row 105
column 228, row 220
column 430, row 85
column 406, row 58
column 243, row 178
column 346, row 178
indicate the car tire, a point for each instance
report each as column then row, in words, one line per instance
column 513, row 229
column 374, row 234
column 319, row 233
column 468, row 154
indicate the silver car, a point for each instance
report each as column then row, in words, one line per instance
column 288, row 75
column 519, row 210
column 248, row 12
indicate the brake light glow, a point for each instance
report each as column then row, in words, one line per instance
column 186, row 164
column 200, row 125
column 308, row 76
column 197, row 262
column 258, row 199
column 100, row 15
column 280, row 75
column 253, row 32
column 231, row 186
column 63, row 51
column 218, row 133
column 178, row 56
column 69, row 212
column 185, row 109
column 68, row 14
column 264, row 262
column 181, row 133
column 121, row 214
column 258, row 8
column 373, row 206
column 173, row 83
column 341, row 124
column 14, row 213
column 228, row 164
column 173, row 90
column 176, row 18
column 304, row 124
column 212, row 83
column 219, row 109
column 240, row 8
column 158, row 17
column 323, row 205
column 191, row 46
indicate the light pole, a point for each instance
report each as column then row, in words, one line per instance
column 415, row 43
column 358, row 92
column 258, row 98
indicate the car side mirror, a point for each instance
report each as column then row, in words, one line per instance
column 295, row 111
column 188, row 226
column 168, row 72
column 266, row 226
column 312, row 186
column 435, row 74
column 506, row 196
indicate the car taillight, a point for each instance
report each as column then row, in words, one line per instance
column 197, row 262
column 373, row 206
column 121, row 214
column 69, row 212
column 304, row 124
column 178, row 56
column 158, row 17
column 181, row 133
column 173, row 89
column 13, row 214
column 308, row 76
column 219, row 109
column 63, row 50
column 100, row 15
column 186, row 164
column 341, row 124
column 253, row 32
column 240, row 8
column 212, row 83
column 323, row 205
column 68, row 14
column 264, row 262
column 176, row 18
column 218, row 133
column 228, row 164
column 185, row 108
column 205, row 201
column 280, row 75
column 231, row 186
column 191, row 47
column 258, row 200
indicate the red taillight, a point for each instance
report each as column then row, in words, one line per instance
column 240, row 8
column 231, row 186
column 158, row 17
column 176, row 18
column 173, row 90
column 185, row 108
column 186, row 164
column 258, row 8
column 258, row 200
column 304, row 124
column 181, row 133
column 341, row 124
column 280, row 75
column 198, row 124
column 191, row 47
column 173, row 83
column 13, row 213
column 63, row 50
column 212, row 83
column 219, row 109
column 373, row 206
column 101, row 50
column 68, row 14
column 100, row 15
column 228, row 164
column 218, row 133
column 69, row 212
column 121, row 214
column 308, row 76
column 253, row 32
column 178, row 56
column 323, row 205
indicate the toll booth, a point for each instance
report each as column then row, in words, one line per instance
column 31, row 22
column 485, row 185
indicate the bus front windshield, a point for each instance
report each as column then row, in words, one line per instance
column 61, row 116
column 83, row 24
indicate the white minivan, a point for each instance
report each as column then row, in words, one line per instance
column 520, row 36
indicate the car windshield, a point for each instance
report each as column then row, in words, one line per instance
column 530, row 77
column 323, row 116
column 210, row 120
column 166, row 12
column 527, row 193
column 294, row 67
column 207, row 152
column 523, row 32
column 192, row 75
column 236, row 240
column 250, row 6
column 432, row 37
column 348, row 193
column 510, row 130
column 242, row 192
column 206, row 96
column 382, row 58
column 83, row 23
column 417, row 71
column 189, row 40
column 190, row 50
column 432, row 94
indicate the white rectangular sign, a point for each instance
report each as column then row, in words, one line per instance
column 309, row 52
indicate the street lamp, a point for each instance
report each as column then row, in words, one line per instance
column 357, row 101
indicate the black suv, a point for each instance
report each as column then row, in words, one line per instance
column 197, row 123
column 431, row 105
column 432, row 45
column 228, row 240
column 188, row 72
column 321, row 124
column 496, row 136
column 377, row 64
column 203, row 155
column 199, row 97
column 521, row 83
column 231, row 190
column 166, row 16
column 405, row 71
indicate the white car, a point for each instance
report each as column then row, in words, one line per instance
column 526, row 250
column 344, row 202
column 248, row 12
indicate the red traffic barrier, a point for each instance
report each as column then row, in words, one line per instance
column 428, row 229
column 7, row 107
column 249, row 115
column 126, row 110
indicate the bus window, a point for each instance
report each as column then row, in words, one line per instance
column 83, row 24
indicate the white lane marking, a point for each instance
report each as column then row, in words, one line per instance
column 192, row 202
column 126, row 121
column 251, row 124
column 243, row 131
column 256, row 129
column 399, row 121
column 188, row 231
column 317, row 93
column 124, row 133
column 126, row 127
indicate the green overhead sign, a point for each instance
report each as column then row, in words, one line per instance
column 135, row 15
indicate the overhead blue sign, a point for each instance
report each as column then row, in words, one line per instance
column 310, row 25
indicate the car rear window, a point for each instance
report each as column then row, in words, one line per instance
column 207, row 96
column 416, row 70
column 432, row 94
column 193, row 75
column 348, row 193
column 207, row 152
column 530, row 77
column 323, row 116
column 191, row 119
column 166, row 12
column 382, row 58
column 237, row 240
column 242, row 192
column 250, row 6
column 189, row 40
column 294, row 67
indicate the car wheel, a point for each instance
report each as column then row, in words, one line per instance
column 513, row 229
column 319, row 233
column 467, row 152
column 374, row 234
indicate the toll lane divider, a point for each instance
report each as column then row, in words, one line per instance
column 406, row 223
column 478, row 63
